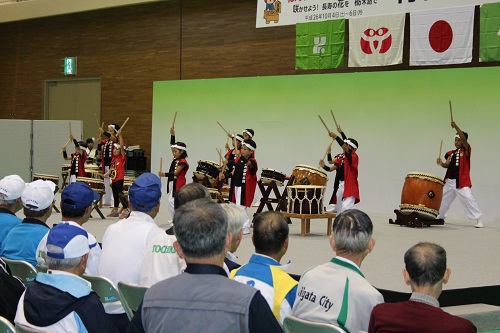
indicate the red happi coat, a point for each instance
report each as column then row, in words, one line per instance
column 248, row 188
column 351, row 187
column 463, row 167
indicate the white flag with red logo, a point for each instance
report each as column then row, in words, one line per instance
column 376, row 40
column 441, row 36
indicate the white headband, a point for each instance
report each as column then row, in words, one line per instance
column 457, row 136
column 112, row 126
column 239, row 138
column 178, row 147
column 249, row 133
column 350, row 143
column 248, row 146
column 82, row 147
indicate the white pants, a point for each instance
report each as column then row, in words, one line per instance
column 339, row 195
column 450, row 192
column 108, row 192
column 171, row 198
column 237, row 195
column 343, row 204
column 72, row 179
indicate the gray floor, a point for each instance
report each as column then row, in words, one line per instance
column 473, row 254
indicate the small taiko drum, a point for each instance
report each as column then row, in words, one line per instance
column 52, row 178
column 214, row 194
column 65, row 169
column 269, row 175
column 308, row 175
column 224, row 191
column 209, row 169
column 95, row 184
column 127, row 182
column 305, row 199
column 422, row 193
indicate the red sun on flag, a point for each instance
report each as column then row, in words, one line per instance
column 440, row 36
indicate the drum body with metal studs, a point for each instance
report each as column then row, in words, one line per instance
column 309, row 175
column 422, row 193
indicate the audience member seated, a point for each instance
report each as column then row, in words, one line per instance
column 76, row 206
column 235, row 219
column 61, row 301
column 21, row 242
column 264, row 272
column 125, row 242
column 162, row 261
column 337, row 292
column 425, row 272
column 203, row 299
column 11, row 188
column 11, row 289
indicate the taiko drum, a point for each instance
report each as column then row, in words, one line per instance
column 308, row 175
column 422, row 193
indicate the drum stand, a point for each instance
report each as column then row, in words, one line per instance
column 414, row 220
column 279, row 198
column 206, row 182
column 95, row 206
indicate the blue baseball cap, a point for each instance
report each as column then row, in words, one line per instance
column 72, row 239
column 145, row 192
column 78, row 195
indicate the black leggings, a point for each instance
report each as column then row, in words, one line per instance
column 117, row 188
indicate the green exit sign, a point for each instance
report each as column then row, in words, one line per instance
column 70, row 66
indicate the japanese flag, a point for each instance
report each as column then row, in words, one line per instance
column 441, row 36
column 376, row 40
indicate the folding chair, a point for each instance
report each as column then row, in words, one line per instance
column 293, row 324
column 6, row 326
column 132, row 295
column 105, row 289
column 22, row 269
column 25, row 329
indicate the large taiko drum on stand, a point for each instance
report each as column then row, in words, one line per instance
column 41, row 176
column 305, row 199
column 308, row 175
column 95, row 184
column 422, row 193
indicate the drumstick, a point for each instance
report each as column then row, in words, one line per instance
column 175, row 117
column 451, row 112
column 336, row 125
column 223, row 128
column 96, row 120
column 327, row 148
column 440, row 149
column 324, row 124
column 69, row 123
column 65, row 145
column 121, row 128
column 161, row 164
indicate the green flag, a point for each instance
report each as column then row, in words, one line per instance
column 489, row 33
column 320, row 45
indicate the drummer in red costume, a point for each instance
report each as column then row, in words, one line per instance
column 105, row 144
column 244, row 179
column 77, row 159
column 457, row 178
column 337, row 164
column 350, row 185
column 178, row 168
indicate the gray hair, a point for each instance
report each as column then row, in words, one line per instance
column 201, row 228
column 425, row 263
column 190, row 192
column 6, row 203
column 235, row 218
column 60, row 264
column 352, row 231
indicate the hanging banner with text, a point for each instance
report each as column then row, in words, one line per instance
column 272, row 13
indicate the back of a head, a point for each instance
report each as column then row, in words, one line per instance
column 352, row 231
column 270, row 230
column 201, row 228
column 425, row 263
column 235, row 218
column 145, row 192
column 190, row 192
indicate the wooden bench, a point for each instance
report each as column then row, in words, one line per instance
column 305, row 221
